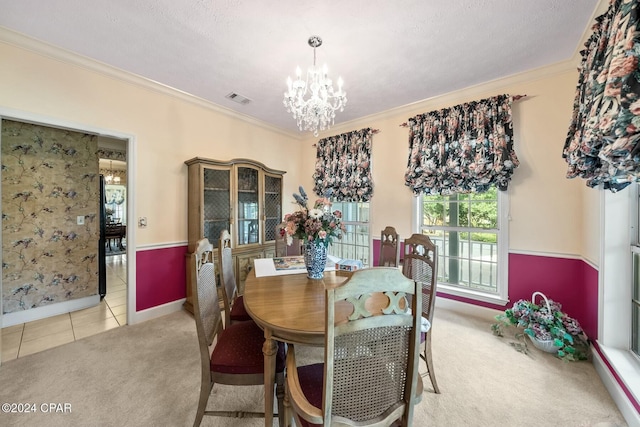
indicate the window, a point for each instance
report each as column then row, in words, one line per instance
column 617, row 320
column 115, row 203
column 471, row 235
column 635, row 303
column 355, row 242
column 635, row 276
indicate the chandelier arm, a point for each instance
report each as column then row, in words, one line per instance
column 317, row 112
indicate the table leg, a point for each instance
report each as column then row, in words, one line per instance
column 269, row 349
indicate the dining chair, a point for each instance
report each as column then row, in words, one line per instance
column 420, row 263
column 231, row 355
column 389, row 248
column 234, row 310
column 282, row 248
column 371, row 354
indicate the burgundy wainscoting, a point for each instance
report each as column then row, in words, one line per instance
column 571, row 282
column 568, row 281
column 160, row 276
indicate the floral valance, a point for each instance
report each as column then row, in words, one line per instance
column 462, row 149
column 343, row 166
column 602, row 142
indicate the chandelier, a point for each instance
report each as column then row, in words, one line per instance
column 111, row 177
column 319, row 111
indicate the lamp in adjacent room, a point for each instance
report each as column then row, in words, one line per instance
column 318, row 111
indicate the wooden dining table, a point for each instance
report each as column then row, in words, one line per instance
column 289, row 308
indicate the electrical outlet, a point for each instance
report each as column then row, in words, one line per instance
column 142, row 221
column 80, row 219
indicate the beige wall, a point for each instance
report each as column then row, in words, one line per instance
column 167, row 131
column 545, row 207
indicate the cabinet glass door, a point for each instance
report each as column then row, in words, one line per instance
column 217, row 205
column 248, row 207
column 272, row 205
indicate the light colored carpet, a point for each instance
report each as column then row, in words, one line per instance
column 148, row 375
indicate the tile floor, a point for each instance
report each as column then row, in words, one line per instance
column 39, row 335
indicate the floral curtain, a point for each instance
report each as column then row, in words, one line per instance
column 462, row 149
column 343, row 166
column 602, row 142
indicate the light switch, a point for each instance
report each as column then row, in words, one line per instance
column 80, row 219
column 142, row 221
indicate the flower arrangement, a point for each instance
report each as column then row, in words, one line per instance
column 318, row 224
column 546, row 323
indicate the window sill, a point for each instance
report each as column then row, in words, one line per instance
column 620, row 372
column 473, row 295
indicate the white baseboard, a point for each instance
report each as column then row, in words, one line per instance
column 631, row 416
column 45, row 311
column 154, row 312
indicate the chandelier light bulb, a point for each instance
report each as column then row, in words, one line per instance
column 316, row 113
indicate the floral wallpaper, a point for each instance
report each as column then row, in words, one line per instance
column 49, row 179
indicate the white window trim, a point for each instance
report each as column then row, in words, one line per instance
column 617, row 219
column 368, row 225
column 502, row 296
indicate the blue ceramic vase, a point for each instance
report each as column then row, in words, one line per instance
column 315, row 259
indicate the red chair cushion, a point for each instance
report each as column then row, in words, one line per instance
column 239, row 350
column 238, row 312
column 311, row 380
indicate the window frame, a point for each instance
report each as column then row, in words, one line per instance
column 364, row 223
column 501, row 297
column 617, row 231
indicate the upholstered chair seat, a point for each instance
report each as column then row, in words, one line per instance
column 233, row 354
column 238, row 313
column 239, row 350
column 311, row 377
column 311, row 380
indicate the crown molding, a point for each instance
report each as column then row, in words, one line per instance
column 451, row 98
column 484, row 89
column 47, row 50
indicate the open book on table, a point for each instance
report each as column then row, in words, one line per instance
column 287, row 265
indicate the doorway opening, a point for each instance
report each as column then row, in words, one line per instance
column 76, row 311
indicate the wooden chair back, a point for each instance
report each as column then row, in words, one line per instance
column 389, row 248
column 229, row 286
column 206, row 308
column 420, row 263
column 371, row 352
column 233, row 347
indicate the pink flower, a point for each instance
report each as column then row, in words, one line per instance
column 317, row 225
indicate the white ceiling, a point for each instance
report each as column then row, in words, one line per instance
column 389, row 53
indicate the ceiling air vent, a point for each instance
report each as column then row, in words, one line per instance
column 238, row 98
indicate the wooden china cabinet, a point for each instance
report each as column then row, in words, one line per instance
column 241, row 195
